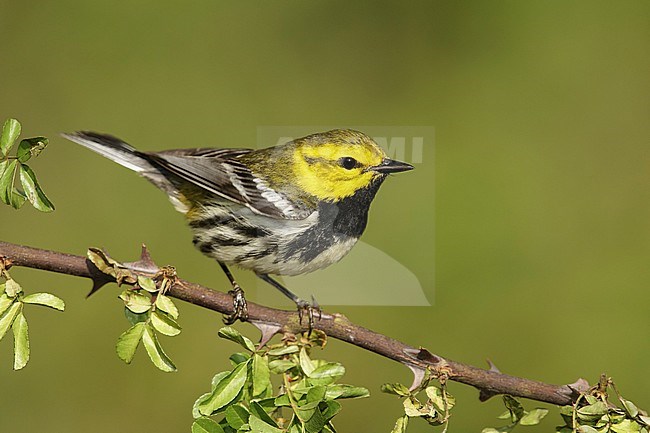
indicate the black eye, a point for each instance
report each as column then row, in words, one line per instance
column 349, row 163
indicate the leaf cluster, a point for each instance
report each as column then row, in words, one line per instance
column 517, row 415
column 147, row 308
column 12, row 304
column 14, row 171
column 594, row 413
column 435, row 409
column 243, row 399
column 150, row 313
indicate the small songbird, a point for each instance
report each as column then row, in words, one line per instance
column 283, row 210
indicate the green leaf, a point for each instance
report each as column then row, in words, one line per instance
column 285, row 350
column 21, row 342
column 12, row 288
column 226, row 390
column 396, row 389
column 17, row 199
column 199, row 401
column 437, row 398
column 626, row 426
column 261, row 374
column 515, row 408
column 30, row 147
column 232, row 334
column 316, row 394
column 316, row 422
column 111, row 267
column 155, row 352
column 326, row 373
column 630, row 408
column 8, row 318
column 533, row 417
column 345, row 391
column 217, row 378
column 3, row 166
column 414, row 408
column 236, row 416
column 5, row 301
column 259, row 426
column 165, row 304
column 278, row 366
column 7, row 182
column 586, row 429
column 504, row 415
column 331, row 409
column 206, row 425
column 46, row 299
column 10, row 131
column 401, row 424
column 128, row 342
column 33, row 190
column 306, row 363
column 238, row 358
column 136, row 302
column 282, row 400
column 592, row 412
column 258, row 411
column 134, row 318
column 165, row 324
column 147, row 284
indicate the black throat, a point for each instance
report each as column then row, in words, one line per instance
column 349, row 216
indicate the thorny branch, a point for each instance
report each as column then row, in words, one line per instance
column 489, row 382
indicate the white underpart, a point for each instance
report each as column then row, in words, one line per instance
column 284, row 233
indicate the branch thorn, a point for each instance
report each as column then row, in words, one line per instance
column 268, row 330
column 419, row 374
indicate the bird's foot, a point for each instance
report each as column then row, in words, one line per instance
column 309, row 309
column 239, row 306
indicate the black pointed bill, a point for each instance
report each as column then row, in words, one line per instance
column 391, row 166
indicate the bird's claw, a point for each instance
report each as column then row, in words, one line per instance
column 311, row 310
column 240, row 308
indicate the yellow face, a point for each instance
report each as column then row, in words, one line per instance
column 335, row 169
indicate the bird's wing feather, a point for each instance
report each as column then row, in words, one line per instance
column 220, row 172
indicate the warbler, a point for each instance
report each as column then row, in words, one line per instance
column 283, row 210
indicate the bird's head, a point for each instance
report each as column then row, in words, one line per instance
column 335, row 164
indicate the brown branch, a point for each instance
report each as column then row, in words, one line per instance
column 488, row 382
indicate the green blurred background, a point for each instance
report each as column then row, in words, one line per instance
column 539, row 258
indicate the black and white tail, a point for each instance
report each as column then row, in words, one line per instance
column 112, row 148
column 126, row 155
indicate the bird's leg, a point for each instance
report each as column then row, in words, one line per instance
column 303, row 306
column 240, row 309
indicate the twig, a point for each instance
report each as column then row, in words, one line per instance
column 489, row 382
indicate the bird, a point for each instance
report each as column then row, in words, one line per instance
column 283, row 210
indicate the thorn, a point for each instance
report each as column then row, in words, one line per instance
column 145, row 264
column 486, row 395
column 579, row 386
column 493, row 367
column 483, row 393
column 98, row 283
column 418, row 376
column 423, row 354
column 268, row 331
